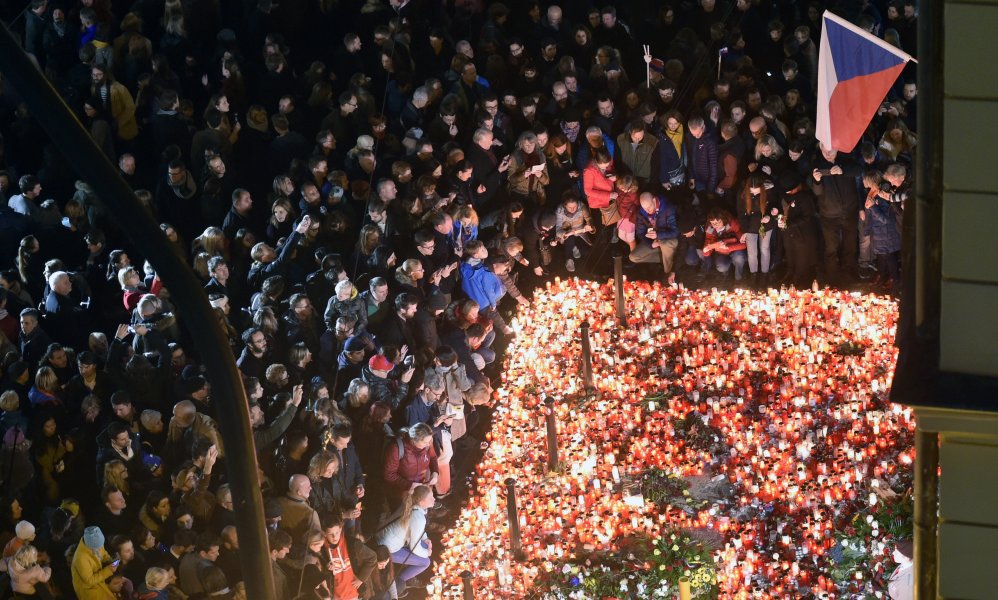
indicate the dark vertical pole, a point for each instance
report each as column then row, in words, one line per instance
column 587, row 359
column 468, row 586
column 618, row 288
column 552, row 431
column 926, row 514
column 186, row 291
column 514, row 519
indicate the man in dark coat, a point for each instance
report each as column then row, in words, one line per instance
column 834, row 183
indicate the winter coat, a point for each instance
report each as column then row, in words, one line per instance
column 519, row 182
column 837, row 195
column 90, row 573
column 597, row 186
column 384, row 390
column 356, row 307
column 641, row 161
column 481, row 285
column 395, row 536
column 881, row 224
column 414, row 466
column 703, row 162
column 663, row 221
column 23, row 580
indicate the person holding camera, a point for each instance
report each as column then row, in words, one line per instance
column 656, row 233
column 385, row 389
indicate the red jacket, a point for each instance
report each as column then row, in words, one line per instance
column 131, row 297
column 414, row 466
column 730, row 235
column 596, row 186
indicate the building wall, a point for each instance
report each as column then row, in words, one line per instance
column 969, row 327
column 968, row 441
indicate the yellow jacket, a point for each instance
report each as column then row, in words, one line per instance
column 90, row 573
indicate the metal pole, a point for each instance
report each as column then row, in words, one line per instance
column 469, row 587
column 552, row 431
column 587, row 359
column 514, row 519
column 618, row 286
column 186, row 291
column 926, row 514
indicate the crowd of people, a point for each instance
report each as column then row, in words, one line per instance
column 367, row 188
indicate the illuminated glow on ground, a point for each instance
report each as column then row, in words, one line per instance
column 793, row 384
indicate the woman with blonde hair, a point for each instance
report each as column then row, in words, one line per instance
column 212, row 241
column 46, row 391
column 897, row 140
column 465, row 224
column 355, row 400
column 326, row 496
column 154, row 586
column 132, row 288
column 405, row 536
column 411, row 278
column 27, row 577
column 116, row 474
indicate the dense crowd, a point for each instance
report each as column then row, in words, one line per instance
column 367, row 189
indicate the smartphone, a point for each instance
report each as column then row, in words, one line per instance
column 116, row 563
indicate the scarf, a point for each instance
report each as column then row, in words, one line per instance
column 571, row 132
column 676, row 137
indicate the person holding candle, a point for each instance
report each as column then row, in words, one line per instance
column 722, row 244
column 757, row 216
column 573, row 224
column 405, row 536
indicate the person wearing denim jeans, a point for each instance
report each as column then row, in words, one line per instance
column 722, row 244
column 757, row 213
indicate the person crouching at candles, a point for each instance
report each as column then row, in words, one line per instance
column 901, row 584
column 656, row 233
column 484, row 286
column 406, row 539
column 411, row 461
column 722, row 244
column 573, row 224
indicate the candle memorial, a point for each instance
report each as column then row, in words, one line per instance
column 741, row 441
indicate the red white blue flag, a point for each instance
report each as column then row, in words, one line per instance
column 855, row 71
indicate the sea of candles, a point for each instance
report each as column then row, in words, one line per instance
column 796, row 383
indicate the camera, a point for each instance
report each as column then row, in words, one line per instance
column 409, row 360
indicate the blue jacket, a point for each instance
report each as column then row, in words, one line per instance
column 585, row 155
column 481, row 285
column 663, row 221
column 881, row 224
column 703, row 161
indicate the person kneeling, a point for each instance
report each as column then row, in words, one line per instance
column 656, row 233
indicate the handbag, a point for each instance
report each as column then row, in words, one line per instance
column 610, row 213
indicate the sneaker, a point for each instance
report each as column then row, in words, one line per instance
column 576, row 253
column 570, row 265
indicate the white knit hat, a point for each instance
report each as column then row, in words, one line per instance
column 24, row 531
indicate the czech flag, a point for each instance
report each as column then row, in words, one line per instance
column 855, row 71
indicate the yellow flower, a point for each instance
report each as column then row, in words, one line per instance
column 675, row 547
